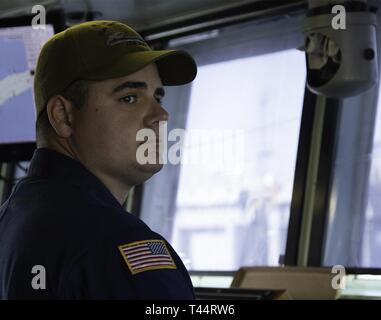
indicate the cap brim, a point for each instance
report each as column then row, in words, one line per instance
column 176, row 67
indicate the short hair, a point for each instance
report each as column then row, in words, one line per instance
column 76, row 93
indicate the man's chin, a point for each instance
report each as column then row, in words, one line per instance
column 151, row 168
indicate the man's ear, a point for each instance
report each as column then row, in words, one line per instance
column 60, row 113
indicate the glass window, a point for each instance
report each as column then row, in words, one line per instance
column 353, row 236
column 371, row 244
column 233, row 209
column 353, row 233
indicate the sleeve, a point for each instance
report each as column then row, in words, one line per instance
column 24, row 285
column 125, row 270
column 97, row 275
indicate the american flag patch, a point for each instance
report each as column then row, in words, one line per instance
column 147, row 255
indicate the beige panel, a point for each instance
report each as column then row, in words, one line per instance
column 299, row 283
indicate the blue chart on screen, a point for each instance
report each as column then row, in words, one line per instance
column 16, row 95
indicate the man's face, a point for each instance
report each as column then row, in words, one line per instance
column 104, row 130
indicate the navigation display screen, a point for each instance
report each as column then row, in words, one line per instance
column 19, row 49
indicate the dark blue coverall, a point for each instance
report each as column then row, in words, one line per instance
column 62, row 219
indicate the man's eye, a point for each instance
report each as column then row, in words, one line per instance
column 129, row 99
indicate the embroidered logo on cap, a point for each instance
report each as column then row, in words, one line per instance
column 121, row 37
column 147, row 255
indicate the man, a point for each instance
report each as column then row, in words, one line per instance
column 63, row 232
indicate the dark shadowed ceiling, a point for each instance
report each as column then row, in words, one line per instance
column 138, row 13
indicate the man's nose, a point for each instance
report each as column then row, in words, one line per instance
column 158, row 113
column 164, row 115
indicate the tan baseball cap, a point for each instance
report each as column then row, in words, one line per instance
column 99, row 50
